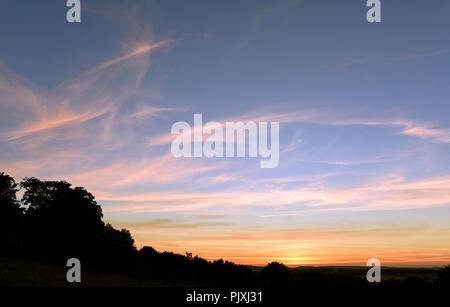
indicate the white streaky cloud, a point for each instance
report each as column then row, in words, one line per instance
column 51, row 123
column 141, row 50
column 373, row 58
column 126, row 173
column 393, row 193
column 325, row 117
column 41, row 123
column 329, row 117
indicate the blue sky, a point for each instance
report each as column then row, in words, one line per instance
column 363, row 111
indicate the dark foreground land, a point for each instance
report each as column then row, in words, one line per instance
column 29, row 273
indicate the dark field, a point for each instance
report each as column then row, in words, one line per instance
column 31, row 273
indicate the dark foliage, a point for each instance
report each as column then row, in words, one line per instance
column 11, row 215
column 276, row 274
column 444, row 277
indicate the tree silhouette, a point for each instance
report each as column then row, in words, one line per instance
column 116, row 249
column 9, row 206
column 10, row 215
column 276, row 274
column 64, row 221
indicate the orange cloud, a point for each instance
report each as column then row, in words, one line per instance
column 303, row 245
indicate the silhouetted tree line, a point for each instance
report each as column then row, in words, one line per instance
column 54, row 221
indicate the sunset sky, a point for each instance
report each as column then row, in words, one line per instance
column 364, row 109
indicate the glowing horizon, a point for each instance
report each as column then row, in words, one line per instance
column 363, row 110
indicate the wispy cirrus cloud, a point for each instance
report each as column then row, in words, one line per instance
column 327, row 117
column 394, row 193
column 139, row 51
column 125, row 173
column 65, row 118
column 106, row 99
column 74, row 101
column 355, row 60
column 103, row 129
column 257, row 18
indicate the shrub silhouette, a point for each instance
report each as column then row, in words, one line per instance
column 276, row 274
column 443, row 280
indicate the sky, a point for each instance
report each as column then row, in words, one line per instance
column 363, row 110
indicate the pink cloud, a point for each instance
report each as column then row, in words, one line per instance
column 391, row 194
column 141, row 50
